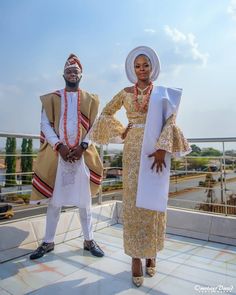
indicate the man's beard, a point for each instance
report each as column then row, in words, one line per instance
column 72, row 84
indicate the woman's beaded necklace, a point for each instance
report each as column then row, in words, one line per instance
column 143, row 106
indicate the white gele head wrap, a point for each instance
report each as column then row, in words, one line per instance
column 73, row 62
column 151, row 54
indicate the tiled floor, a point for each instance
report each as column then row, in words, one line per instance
column 185, row 266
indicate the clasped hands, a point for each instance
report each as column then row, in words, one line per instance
column 70, row 155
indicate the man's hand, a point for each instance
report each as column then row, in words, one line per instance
column 75, row 154
column 64, row 152
column 159, row 160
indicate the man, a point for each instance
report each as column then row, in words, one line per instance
column 68, row 169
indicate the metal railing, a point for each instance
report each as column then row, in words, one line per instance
column 186, row 185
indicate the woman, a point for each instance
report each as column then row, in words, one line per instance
column 149, row 139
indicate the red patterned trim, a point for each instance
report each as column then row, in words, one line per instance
column 85, row 121
column 42, row 187
column 96, row 178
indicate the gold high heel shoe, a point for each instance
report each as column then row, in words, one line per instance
column 137, row 280
column 150, row 270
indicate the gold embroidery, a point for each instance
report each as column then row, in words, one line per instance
column 144, row 230
column 172, row 139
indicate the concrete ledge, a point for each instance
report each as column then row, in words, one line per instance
column 18, row 238
column 197, row 225
column 204, row 226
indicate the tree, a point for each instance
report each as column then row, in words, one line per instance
column 195, row 150
column 23, row 159
column 26, row 161
column 10, row 161
column 29, row 159
column 117, row 161
column 210, row 152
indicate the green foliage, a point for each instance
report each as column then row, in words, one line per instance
column 24, row 197
column 175, row 164
column 30, row 159
column 198, row 163
column 195, row 150
column 117, row 161
column 26, row 161
column 194, row 154
column 118, row 185
column 204, row 152
column 10, row 161
column 210, row 152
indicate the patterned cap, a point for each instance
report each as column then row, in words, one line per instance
column 73, row 61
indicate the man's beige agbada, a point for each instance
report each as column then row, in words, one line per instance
column 47, row 160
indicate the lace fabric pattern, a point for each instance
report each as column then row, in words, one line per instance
column 144, row 230
column 172, row 139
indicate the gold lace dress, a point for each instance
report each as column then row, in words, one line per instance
column 144, row 230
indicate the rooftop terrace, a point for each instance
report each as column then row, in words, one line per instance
column 199, row 255
column 185, row 266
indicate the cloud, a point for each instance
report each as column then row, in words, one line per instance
column 150, row 31
column 186, row 45
column 175, row 35
column 231, row 9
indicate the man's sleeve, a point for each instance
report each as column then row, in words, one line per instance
column 48, row 131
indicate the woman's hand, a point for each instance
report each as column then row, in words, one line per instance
column 123, row 136
column 159, row 160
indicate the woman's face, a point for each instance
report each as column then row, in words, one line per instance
column 142, row 68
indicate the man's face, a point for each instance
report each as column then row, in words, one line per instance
column 72, row 75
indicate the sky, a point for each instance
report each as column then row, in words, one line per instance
column 195, row 40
